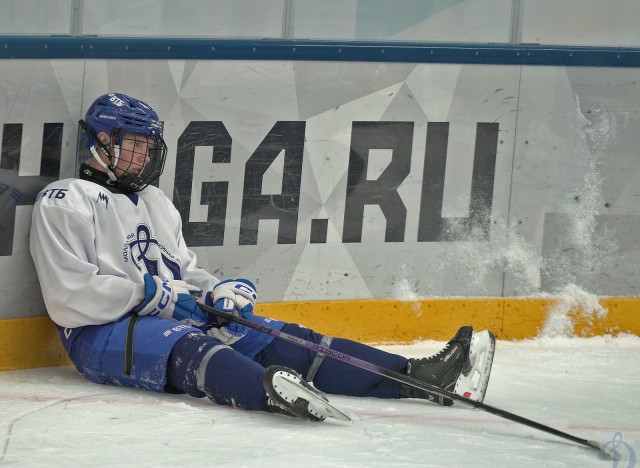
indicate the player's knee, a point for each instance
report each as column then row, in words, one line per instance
column 202, row 366
column 186, row 359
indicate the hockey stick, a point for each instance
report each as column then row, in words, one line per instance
column 407, row 380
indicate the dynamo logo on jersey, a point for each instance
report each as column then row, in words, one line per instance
column 148, row 255
column 104, row 198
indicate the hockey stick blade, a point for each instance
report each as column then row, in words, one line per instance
column 405, row 379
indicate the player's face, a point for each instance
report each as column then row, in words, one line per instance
column 134, row 154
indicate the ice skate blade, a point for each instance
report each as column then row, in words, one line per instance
column 473, row 384
column 318, row 406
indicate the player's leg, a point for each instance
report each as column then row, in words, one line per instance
column 131, row 352
column 330, row 375
column 163, row 355
column 202, row 366
column 452, row 368
column 166, row 356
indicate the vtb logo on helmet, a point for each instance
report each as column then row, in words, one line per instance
column 124, row 135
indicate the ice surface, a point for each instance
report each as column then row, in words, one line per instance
column 587, row 387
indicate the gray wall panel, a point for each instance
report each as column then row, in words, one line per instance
column 33, row 94
column 555, row 148
column 581, row 22
column 570, row 22
column 36, row 17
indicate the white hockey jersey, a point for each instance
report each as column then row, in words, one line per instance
column 92, row 247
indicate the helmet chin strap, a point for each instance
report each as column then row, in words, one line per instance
column 109, row 169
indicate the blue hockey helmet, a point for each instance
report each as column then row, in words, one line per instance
column 125, row 112
column 124, row 117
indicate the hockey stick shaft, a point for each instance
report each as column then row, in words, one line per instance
column 402, row 378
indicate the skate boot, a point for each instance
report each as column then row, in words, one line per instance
column 463, row 366
column 290, row 394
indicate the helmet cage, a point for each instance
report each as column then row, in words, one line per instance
column 145, row 156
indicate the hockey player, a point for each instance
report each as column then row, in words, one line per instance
column 122, row 286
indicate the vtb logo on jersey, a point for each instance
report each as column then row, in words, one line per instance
column 148, row 255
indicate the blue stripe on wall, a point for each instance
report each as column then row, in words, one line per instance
column 84, row 47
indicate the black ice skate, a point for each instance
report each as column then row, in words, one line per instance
column 289, row 394
column 463, row 366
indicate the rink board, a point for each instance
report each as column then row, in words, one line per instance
column 408, row 180
column 387, row 183
column 34, row 342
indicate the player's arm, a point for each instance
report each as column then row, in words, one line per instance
column 75, row 294
column 234, row 296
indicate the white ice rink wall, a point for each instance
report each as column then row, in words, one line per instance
column 347, row 151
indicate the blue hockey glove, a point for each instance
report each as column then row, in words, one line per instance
column 171, row 299
column 236, row 297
